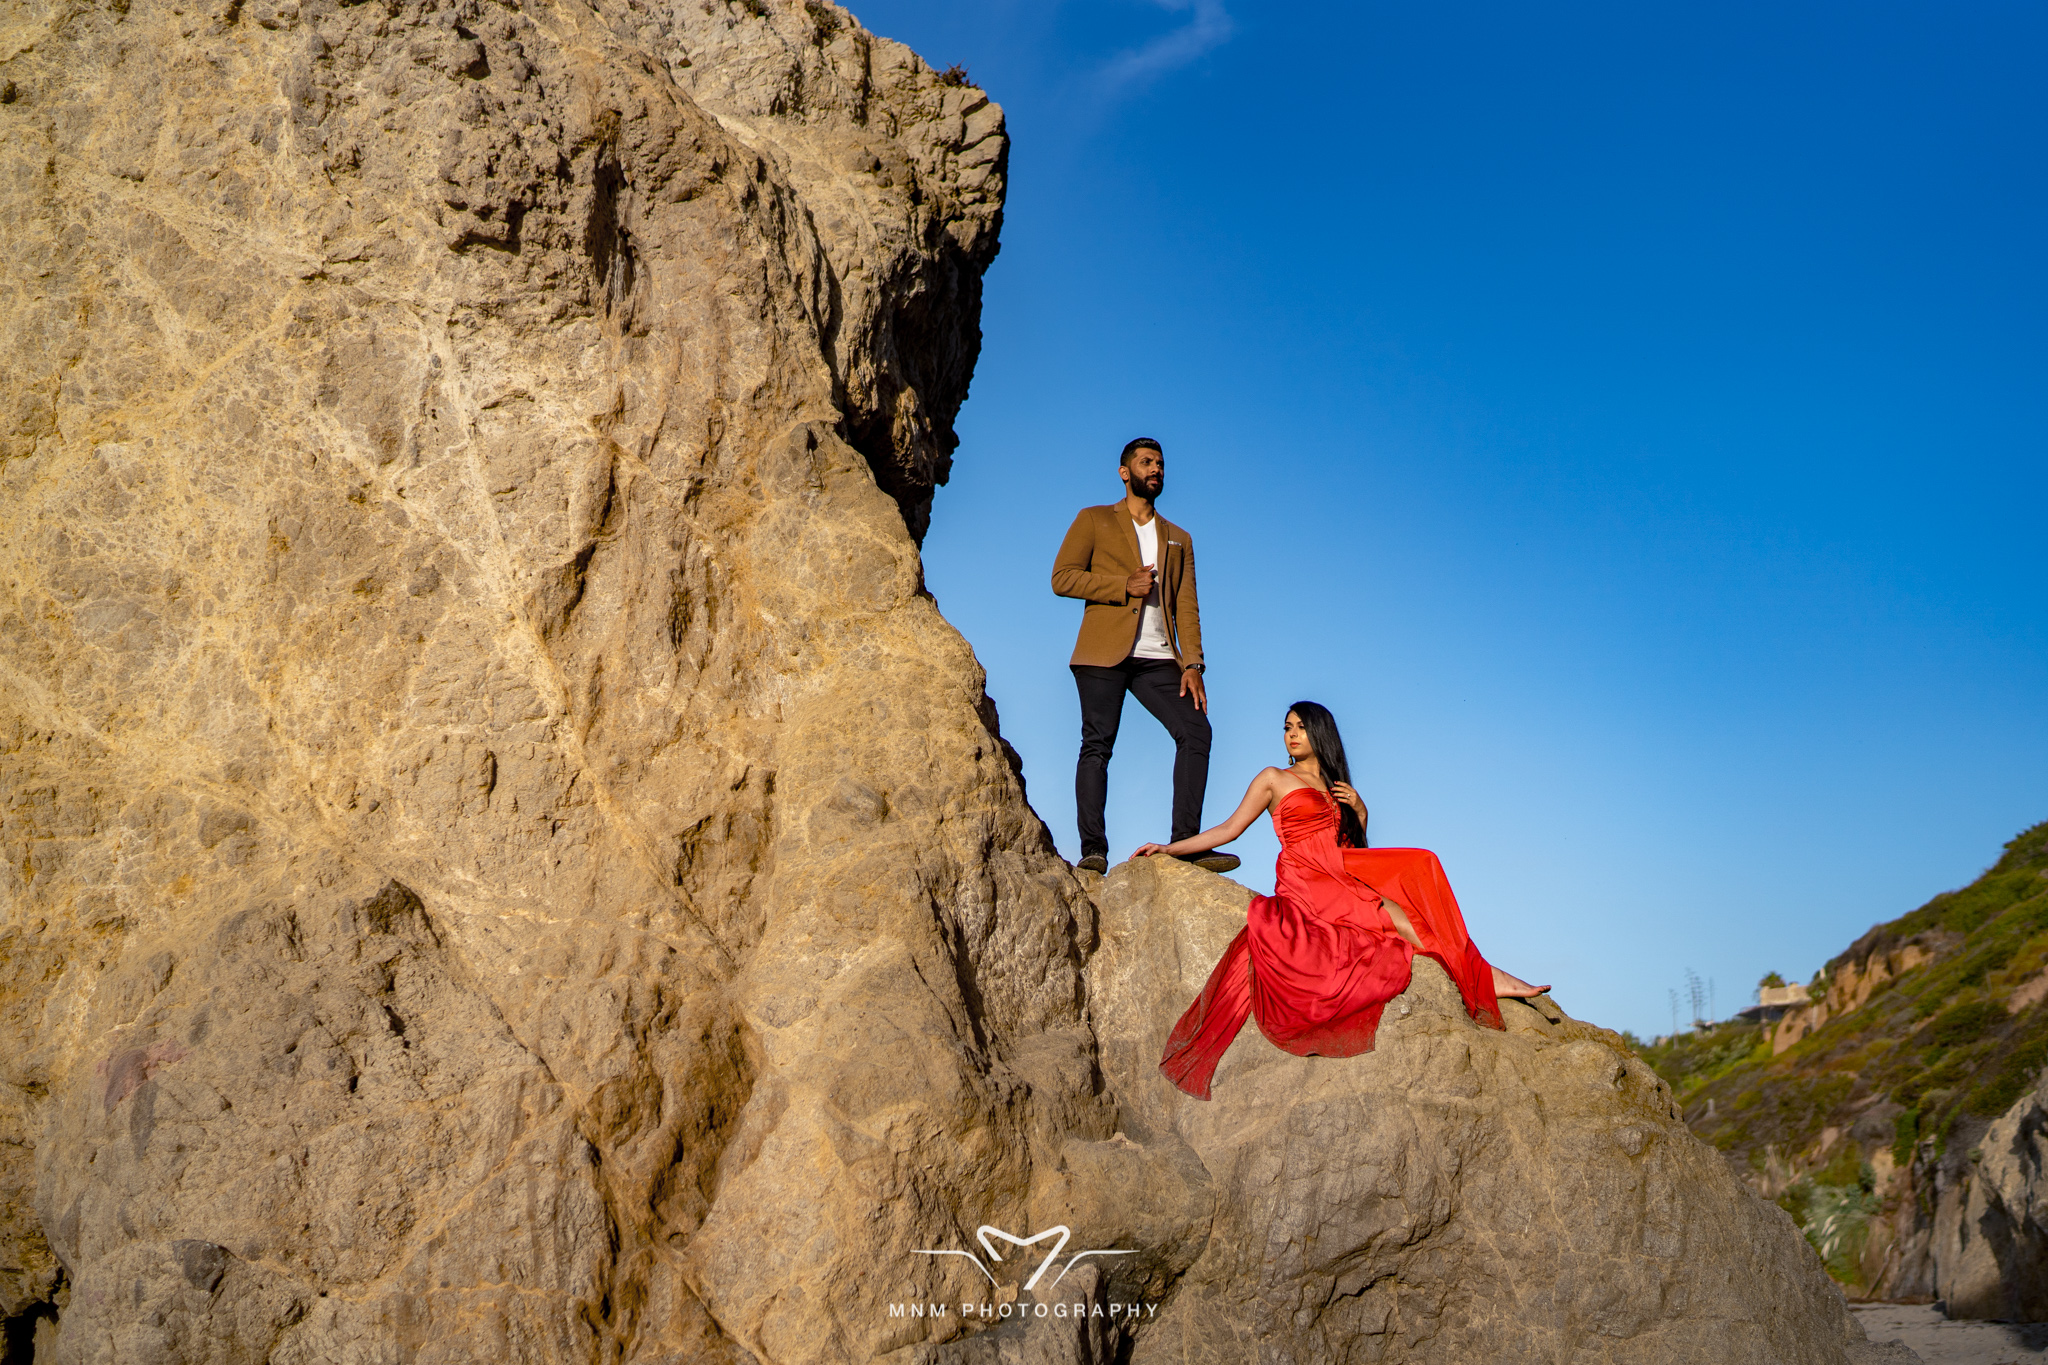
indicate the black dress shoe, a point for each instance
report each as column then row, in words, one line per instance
column 1094, row 862
column 1214, row 862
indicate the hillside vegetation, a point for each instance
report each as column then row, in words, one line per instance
column 1924, row 1030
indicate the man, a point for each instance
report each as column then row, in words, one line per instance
column 1140, row 633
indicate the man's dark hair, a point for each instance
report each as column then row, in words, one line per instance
column 1133, row 447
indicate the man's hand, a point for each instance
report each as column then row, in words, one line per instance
column 1139, row 584
column 1191, row 686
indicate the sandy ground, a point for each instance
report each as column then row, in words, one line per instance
column 1941, row 1342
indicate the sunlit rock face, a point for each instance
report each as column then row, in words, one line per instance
column 502, row 859
column 1989, row 1240
column 1458, row 1194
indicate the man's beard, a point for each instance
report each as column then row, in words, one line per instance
column 1149, row 491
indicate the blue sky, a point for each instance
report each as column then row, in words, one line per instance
column 1629, row 420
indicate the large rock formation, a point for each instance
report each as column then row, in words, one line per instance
column 502, row 859
column 1989, row 1242
column 1461, row 1194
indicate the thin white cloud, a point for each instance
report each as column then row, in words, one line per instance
column 1208, row 25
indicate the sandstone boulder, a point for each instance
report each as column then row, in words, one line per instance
column 502, row 858
column 1990, row 1243
column 1457, row 1194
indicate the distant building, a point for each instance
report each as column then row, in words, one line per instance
column 1772, row 1002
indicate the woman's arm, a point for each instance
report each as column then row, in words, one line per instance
column 1257, row 798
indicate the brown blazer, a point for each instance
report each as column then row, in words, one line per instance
column 1099, row 554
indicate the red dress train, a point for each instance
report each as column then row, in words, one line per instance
column 1319, row 958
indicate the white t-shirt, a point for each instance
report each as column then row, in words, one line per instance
column 1152, row 641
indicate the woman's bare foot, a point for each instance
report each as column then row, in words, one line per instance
column 1507, row 986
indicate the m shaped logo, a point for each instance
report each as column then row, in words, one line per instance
column 986, row 1235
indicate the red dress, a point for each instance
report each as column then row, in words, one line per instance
column 1318, row 959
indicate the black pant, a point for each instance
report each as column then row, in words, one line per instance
column 1156, row 683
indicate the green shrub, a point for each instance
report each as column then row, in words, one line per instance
column 1964, row 910
column 2031, row 955
column 1826, row 1092
column 1688, row 1061
column 1847, row 1168
column 1838, row 1224
column 1978, row 902
column 1952, row 1068
column 2014, row 1077
column 1997, row 1095
column 1940, row 984
column 2027, row 847
column 1965, row 1023
column 2030, row 915
column 1905, row 1136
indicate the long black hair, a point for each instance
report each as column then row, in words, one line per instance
column 1328, row 747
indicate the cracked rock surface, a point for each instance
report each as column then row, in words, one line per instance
column 500, row 857
column 1457, row 1194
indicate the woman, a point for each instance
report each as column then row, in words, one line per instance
column 1320, row 957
